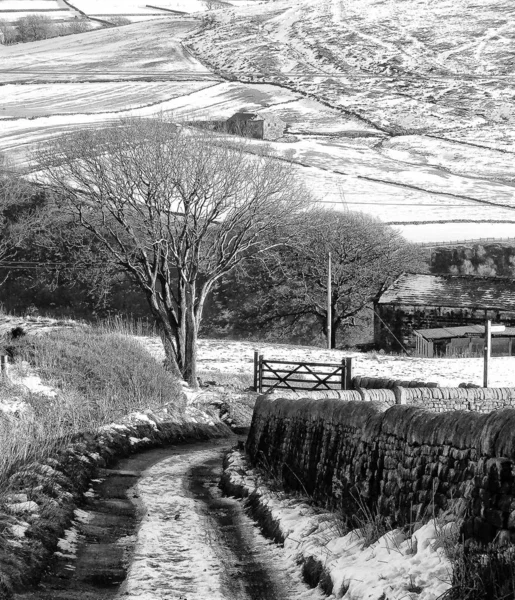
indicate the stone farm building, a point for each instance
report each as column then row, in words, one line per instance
column 259, row 126
column 416, row 302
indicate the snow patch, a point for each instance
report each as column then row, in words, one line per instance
column 23, row 507
column 68, row 544
column 389, row 568
column 19, row 529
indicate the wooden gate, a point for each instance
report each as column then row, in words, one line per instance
column 271, row 374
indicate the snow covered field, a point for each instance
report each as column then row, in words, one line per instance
column 11, row 10
column 400, row 113
column 225, row 356
column 37, row 100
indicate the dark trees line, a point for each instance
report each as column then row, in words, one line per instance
column 286, row 294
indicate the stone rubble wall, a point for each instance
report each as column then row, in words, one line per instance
column 434, row 399
column 402, row 462
column 383, row 383
column 482, row 400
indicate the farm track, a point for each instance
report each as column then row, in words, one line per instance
column 158, row 526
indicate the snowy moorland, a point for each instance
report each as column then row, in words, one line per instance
column 400, row 112
column 99, row 10
column 236, row 358
column 11, row 10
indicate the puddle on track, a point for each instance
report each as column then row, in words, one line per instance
column 158, row 528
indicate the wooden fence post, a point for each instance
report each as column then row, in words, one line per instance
column 260, row 374
column 256, row 358
column 348, row 373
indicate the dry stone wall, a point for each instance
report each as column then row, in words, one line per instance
column 402, row 461
column 383, row 383
column 434, row 399
column 483, row 400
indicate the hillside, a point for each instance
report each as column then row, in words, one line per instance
column 399, row 110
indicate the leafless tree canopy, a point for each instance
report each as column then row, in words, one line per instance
column 18, row 218
column 177, row 208
column 291, row 291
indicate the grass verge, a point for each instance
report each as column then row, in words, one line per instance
column 98, row 378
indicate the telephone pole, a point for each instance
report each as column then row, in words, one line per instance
column 329, row 304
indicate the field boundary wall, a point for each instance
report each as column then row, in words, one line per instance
column 434, row 399
column 402, row 462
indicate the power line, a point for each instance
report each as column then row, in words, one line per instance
column 471, row 204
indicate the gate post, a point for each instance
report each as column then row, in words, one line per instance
column 256, row 358
column 348, row 373
column 260, row 374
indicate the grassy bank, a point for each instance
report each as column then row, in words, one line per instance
column 77, row 400
column 93, row 377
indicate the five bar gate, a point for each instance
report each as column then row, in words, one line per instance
column 288, row 374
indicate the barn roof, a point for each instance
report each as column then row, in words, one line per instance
column 453, row 291
column 442, row 333
column 250, row 116
column 246, row 116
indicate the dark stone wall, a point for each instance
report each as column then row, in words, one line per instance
column 401, row 461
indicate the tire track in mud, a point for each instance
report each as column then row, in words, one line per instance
column 157, row 526
column 195, row 544
column 245, row 574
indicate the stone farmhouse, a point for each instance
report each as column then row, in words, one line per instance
column 259, row 126
column 421, row 305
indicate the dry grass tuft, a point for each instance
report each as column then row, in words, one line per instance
column 99, row 377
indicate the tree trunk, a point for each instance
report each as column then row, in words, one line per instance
column 170, row 362
column 166, row 333
column 187, row 336
column 190, row 363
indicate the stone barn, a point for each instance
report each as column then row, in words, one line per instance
column 259, row 126
column 421, row 302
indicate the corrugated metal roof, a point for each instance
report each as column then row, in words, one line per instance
column 453, row 291
column 442, row 333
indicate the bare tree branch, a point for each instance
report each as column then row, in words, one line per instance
column 177, row 208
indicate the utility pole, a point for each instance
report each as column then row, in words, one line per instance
column 329, row 304
column 486, row 351
column 489, row 329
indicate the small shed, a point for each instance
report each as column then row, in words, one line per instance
column 463, row 341
column 256, row 125
column 420, row 301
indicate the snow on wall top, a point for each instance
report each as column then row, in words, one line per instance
column 456, row 291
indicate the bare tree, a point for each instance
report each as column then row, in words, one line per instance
column 119, row 21
column 291, row 289
column 177, row 208
column 34, row 27
column 20, row 215
column 75, row 25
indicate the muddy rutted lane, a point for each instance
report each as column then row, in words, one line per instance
column 91, row 560
column 193, row 543
column 156, row 526
column 246, row 558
